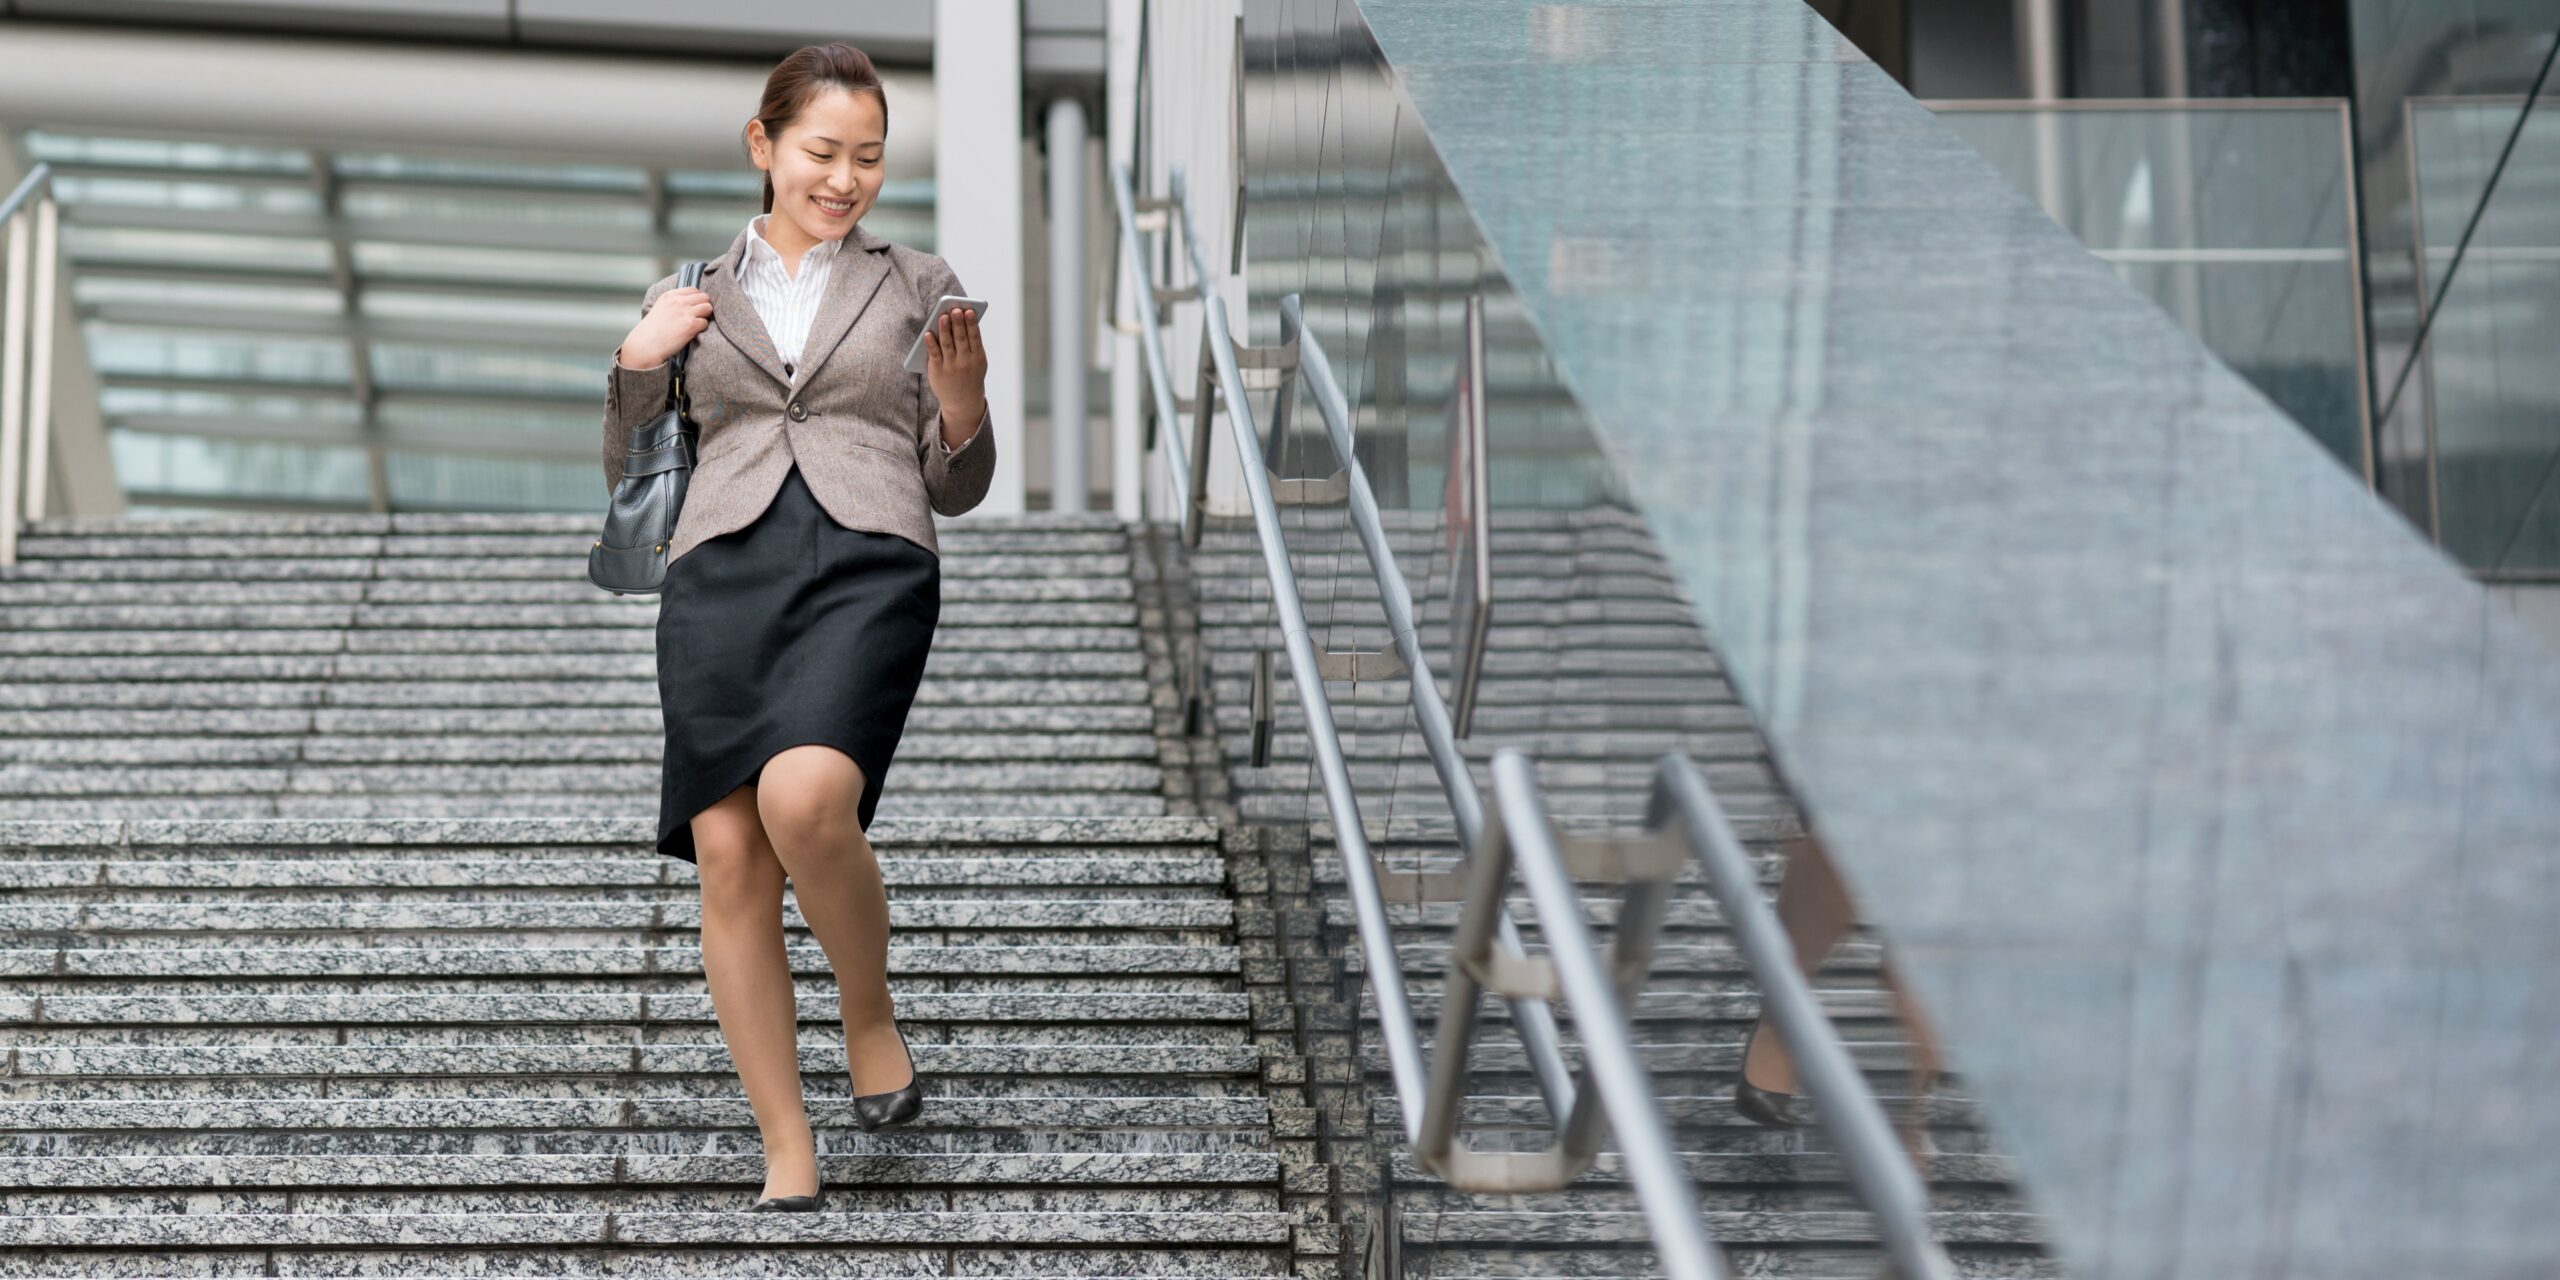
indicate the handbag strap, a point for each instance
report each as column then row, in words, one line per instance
column 688, row 276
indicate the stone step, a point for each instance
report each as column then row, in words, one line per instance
column 447, row 640
column 1761, row 1262
column 1381, row 812
column 390, row 595
column 320, row 917
column 1638, row 750
column 1037, row 727
column 1654, row 1004
column 1397, row 691
column 267, row 835
column 874, row 1169
column 913, row 1224
column 502, row 747
column 446, row 1116
column 1499, row 1056
column 1439, row 828
column 1358, row 718
column 1359, row 590
column 276, row 559
column 1427, row 961
column 635, row 612
column 1728, row 1227
column 478, row 524
column 115, row 875
column 502, row 779
column 19, row 1014
column 1318, row 556
column 904, row 802
column 1731, row 780
column 1586, row 661
column 1725, row 1169
column 569, row 692
column 1500, row 1115
column 1242, row 617
column 242, row 967
column 941, row 664
column 49, row 1064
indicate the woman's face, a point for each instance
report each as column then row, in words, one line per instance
column 827, row 167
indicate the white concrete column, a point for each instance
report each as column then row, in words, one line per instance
column 1128, row 365
column 1070, row 306
column 978, row 202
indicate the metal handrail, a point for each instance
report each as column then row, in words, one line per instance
column 1439, row 733
column 1535, row 1021
column 26, row 395
column 1519, row 833
column 1879, row 1173
column 1133, row 260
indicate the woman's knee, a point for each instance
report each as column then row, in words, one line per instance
column 733, row 856
column 810, row 796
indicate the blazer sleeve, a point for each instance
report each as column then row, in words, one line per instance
column 632, row 396
column 955, row 480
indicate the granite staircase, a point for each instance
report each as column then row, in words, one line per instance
column 1595, row 666
column 334, row 941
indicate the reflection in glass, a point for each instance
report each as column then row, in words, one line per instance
column 2487, row 386
column 2237, row 219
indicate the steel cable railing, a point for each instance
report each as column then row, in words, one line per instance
column 1485, row 952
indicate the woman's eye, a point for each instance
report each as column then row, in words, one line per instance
column 815, row 156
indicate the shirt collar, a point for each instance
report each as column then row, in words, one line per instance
column 760, row 248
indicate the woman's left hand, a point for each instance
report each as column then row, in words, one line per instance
column 955, row 366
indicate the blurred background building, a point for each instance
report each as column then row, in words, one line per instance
column 373, row 268
column 2076, row 466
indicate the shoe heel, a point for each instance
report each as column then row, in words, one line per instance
column 876, row 1111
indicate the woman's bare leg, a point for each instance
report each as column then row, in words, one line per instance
column 749, row 973
column 810, row 801
column 1815, row 908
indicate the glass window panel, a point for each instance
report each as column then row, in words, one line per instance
column 2487, row 379
column 179, row 464
column 93, row 244
column 527, row 266
column 461, row 481
column 495, row 207
column 163, row 153
column 578, row 319
column 141, row 192
column 128, row 401
column 2233, row 219
column 401, row 365
column 94, row 290
column 523, row 173
column 135, row 351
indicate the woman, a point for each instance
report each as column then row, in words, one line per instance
column 803, row 580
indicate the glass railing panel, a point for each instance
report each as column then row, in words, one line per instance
column 2238, row 219
column 2424, row 49
column 2486, row 389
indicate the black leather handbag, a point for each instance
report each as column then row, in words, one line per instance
column 631, row 557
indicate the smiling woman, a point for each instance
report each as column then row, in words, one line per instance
column 803, row 585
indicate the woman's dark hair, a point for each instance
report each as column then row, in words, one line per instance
column 809, row 71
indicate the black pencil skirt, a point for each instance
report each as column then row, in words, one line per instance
column 792, row 630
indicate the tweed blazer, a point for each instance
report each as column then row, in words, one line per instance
column 866, row 433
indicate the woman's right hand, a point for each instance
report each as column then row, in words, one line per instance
column 678, row 317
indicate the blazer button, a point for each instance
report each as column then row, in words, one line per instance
column 799, row 411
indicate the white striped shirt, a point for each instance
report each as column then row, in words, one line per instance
column 784, row 302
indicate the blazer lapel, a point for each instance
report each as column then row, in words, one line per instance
column 859, row 268
column 735, row 312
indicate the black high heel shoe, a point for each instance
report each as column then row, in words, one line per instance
column 809, row 1203
column 1768, row 1108
column 877, row 1111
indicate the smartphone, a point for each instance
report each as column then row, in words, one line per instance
column 950, row 302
